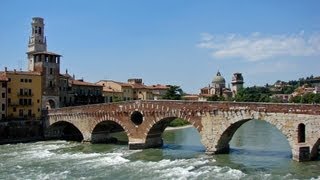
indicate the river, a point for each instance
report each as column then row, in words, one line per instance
column 258, row 151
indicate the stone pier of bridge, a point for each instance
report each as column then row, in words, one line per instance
column 144, row 122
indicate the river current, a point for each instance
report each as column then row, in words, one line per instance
column 258, row 151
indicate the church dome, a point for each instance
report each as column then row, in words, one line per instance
column 218, row 79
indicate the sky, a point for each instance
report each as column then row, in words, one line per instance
column 177, row 42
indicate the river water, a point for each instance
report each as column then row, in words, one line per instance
column 258, row 151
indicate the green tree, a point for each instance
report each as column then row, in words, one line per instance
column 253, row 94
column 216, row 98
column 173, row 93
column 288, row 89
column 308, row 98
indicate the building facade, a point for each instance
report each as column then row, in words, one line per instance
column 134, row 89
column 85, row 92
column 23, row 94
column 3, row 97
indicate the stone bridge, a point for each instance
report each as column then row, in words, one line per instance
column 144, row 122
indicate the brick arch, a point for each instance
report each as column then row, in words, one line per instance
column 112, row 119
column 189, row 118
column 68, row 122
column 154, row 130
column 227, row 131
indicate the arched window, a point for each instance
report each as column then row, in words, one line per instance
column 301, row 133
column 39, row 30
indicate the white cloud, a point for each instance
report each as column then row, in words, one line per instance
column 256, row 47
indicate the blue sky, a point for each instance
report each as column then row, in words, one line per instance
column 178, row 42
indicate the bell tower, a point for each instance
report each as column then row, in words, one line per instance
column 37, row 40
column 46, row 63
column 237, row 83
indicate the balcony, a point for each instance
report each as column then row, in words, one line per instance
column 15, row 104
column 25, row 94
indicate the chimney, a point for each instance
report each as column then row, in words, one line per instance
column 5, row 69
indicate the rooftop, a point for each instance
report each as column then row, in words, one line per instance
column 83, row 83
column 44, row 52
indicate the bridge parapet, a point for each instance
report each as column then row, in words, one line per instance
column 206, row 106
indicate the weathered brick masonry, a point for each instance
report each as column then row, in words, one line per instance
column 144, row 122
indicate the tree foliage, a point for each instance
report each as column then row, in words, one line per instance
column 253, row 94
column 216, row 98
column 173, row 93
column 178, row 122
column 306, row 98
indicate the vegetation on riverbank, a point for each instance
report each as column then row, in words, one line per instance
column 178, row 122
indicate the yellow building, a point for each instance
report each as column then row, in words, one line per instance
column 114, row 91
column 23, row 94
column 134, row 89
column 140, row 91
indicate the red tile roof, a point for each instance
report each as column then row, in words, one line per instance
column 158, row 86
column 108, row 89
column 83, row 83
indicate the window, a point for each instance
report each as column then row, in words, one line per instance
column 9, row 90
column 3, row 95
column 9, row 100
column 30, row 93
column 38, row 101
column 29, row 101
column 21, row 91
column 20, row 112
column 3, row 116
column 21, row 80
column 30, row 80
column 9, row 79
column 4, row 85
column 51, row 71
column 29, row 112
column 20, row 101
column 50, row 84
column 14, row 109
column 25, row 101
column 3, row 107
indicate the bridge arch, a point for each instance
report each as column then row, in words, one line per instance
column 154, row 131
column 101, row 129
column 223, row 139
column 101, row 132
column 64, row 130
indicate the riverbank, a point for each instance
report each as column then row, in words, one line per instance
column 21, row 140
column 179, row 127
